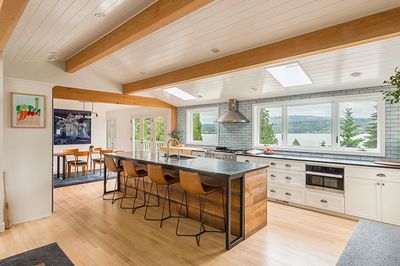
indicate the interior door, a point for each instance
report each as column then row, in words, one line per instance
column 111, row 133
column 149, row 133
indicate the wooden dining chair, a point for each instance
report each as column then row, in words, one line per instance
column 93, row 153
column 68, row 153
column 78, row 163
column 99, row 160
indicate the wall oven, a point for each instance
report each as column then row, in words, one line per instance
column 325, row 177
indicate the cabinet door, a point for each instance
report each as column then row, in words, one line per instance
column 391, row 202
column 363, row 197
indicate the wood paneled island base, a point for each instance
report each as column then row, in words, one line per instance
column 245, row 193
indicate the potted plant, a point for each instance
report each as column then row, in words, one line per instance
column 393, row 96
column 91, row 148
column 176, row 134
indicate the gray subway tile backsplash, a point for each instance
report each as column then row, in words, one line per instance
column 240, row 135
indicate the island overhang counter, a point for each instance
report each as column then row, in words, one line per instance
column 245, row 190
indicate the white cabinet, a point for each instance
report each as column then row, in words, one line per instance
column 373, row 193
column 292, row 178
column 247, row 159
column 363, row 197
column 325, row 200
column 391, row 202
column 286, row 193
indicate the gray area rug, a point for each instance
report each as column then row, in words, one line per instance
column 80, row 179
column 372, row 244
column 47, row 255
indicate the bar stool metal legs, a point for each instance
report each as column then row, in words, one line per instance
column 202, row 205
column 166, row 198
column 113, row 199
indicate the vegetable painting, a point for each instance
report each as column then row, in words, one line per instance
column 27, row 110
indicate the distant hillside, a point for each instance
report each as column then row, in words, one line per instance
column 208, row 129
column 312, row 124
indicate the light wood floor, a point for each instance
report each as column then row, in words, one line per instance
column 95, row 232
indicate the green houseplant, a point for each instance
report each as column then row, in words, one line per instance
column 176, row 134
column 393, row 96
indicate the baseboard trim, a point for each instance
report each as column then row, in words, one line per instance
column 2, row 227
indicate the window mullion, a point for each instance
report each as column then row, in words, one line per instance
column 284, row 126
column 335, row 125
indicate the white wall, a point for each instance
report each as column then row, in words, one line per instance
column 124, row 126
column 29, row 155
column 1, row 146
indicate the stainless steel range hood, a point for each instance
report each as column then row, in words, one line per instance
column 233, row 115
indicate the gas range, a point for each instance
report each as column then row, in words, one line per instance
column 223, row 153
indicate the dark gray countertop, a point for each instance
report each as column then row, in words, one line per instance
column 209, row 166
column 321, row 160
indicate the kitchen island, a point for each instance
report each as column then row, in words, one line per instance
column 245, row 190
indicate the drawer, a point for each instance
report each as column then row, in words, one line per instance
column 325, row 200
column 284, row 164
column 199, row 153
column 247, row 159
column 291, row 178
column 286, row 193
column 374, row 173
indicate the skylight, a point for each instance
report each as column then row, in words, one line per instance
column 180, row 93
column 289, row 75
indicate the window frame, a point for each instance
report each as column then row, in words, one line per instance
column 189, row 125
column 335, row 124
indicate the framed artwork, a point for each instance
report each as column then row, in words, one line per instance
column 28, row 110
column 72, row 127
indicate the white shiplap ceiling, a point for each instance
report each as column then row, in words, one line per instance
column 67, row 26
column 328, row 71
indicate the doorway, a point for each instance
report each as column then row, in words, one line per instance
column 148, row 133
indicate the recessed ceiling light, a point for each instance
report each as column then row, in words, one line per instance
column 254, row 89
column 180, row 93
column 215, row 50
column 289, row 75
column 99, row 14
column 52, row 56
column 200, row 96
column 142, row 73
column 355, row 74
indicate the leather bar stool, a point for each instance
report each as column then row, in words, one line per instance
column 112, row 168
column 157, row 176
column 191, row 183
column 131, row 171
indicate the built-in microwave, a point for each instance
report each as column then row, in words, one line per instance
column 325, row 177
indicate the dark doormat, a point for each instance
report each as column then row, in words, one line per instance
column 47, row 255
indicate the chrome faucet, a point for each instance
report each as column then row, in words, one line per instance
column 168, row 144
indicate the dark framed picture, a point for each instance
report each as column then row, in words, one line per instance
column 72, row 127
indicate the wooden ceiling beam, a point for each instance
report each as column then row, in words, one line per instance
column 153, row 18
column 10, row 13
column 367, row 29
column 68, row 93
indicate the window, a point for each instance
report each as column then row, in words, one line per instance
column 201, row 126
column 270, row 121
column 358, row 124
column 345, row 125
column 310, row 125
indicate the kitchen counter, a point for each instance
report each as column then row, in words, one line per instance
column 321, row 160
column 245, row 191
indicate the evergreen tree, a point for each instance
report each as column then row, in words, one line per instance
column 267, row 134
column 197, row 127
column 349, row 130
column 372, row 130
column 296, row 142
column 159, row 128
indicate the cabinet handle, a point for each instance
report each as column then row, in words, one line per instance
column 381, row 175
column 288, row 194
column 272, row 163
column 377, row 183
column 288, row 165
column 272, row 191
column 288, row 178
column 273, row 176
column 247, row 161
column 383, row 184
column 324, row 201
